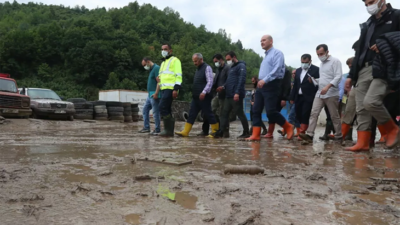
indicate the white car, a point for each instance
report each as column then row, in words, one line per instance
column 46, row 103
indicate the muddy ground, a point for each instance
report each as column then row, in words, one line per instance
column 60, row 172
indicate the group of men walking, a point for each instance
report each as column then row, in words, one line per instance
column 374, row 72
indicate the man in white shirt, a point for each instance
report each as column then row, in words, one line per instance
column 330, row 74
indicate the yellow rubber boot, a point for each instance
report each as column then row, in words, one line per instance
column 214, row 129
column 186, row 130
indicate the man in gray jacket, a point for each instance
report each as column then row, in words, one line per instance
column 221, row 74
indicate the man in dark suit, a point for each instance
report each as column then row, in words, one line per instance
column 304, row 90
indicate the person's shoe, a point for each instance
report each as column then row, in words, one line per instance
column 169, row 126
column 270, row 133
column 392, row 136
column 144, row 130
column 244, row 135
column 363, row 142
column 328, row 129
column 306, row 137
column 155, row 133
column 214, row 127
column 264, row 132
column 282, row 132
column 202, row 134
column 218, row 134
column 256, row 134
column 383, row 135
column 289, row 128
column 186, row 130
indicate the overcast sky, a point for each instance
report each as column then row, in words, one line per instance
column 297, row 26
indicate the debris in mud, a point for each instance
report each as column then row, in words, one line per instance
column 251, row 219
column 311, row 194
column 228, row 190
column 173, row 162
column 106, row 193
column 80, row 188
column 147, row 177
column 32, row 210
column 90, row 121
column 142, row 194
column 359, row 192
column 209, row 219
column 106, row 173
column 316, row 177
column 385, row 179
column 243, row 169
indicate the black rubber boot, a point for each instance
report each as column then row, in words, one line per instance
column 169, row 127
column 328, row 129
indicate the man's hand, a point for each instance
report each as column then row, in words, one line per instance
column 236, row 98
column 347, row 85
column 202, row 96
column 252, row 103
column 155, row 96
column 175, row 94
column 219, row 89
column 292, row 102
column 283, row 103
column 375, row 48
column 158, row 79
column 325, row 90
column 310, row 80
column 261, row 84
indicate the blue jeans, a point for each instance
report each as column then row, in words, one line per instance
column 150, row 104
column 292, row 116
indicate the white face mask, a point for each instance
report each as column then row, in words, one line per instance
column 305, row 66
column 217, row 64
column 164, row 53
column 374, row 9
column 229, row 62
column 323, row 58
column 146, row 67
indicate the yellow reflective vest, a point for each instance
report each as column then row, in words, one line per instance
column 170, row 73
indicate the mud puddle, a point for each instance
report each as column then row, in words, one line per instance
column 79, row 173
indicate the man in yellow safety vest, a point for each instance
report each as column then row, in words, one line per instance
column 170, row 81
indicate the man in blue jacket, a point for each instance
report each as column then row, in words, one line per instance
column 153, row 99
column 234, row 95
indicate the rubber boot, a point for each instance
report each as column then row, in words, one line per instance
column 186, row 130
column 349, row 135
column 383, row 135
column 289, row 128
column 169, row 126
column 302, row 130
column 362, row 142
column 392, row 137
column 271, row 128
column 345, row 129
column 256, row 134
column 214, row 129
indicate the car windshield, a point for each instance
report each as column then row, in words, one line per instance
column 42, row 94
column 8, row 86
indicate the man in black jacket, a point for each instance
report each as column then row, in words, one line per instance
column 217, row 104
column 201, row 93
column 234, row 93
column 304, row 91
column 370, row 92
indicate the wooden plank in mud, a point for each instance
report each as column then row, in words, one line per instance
column 166, row 161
